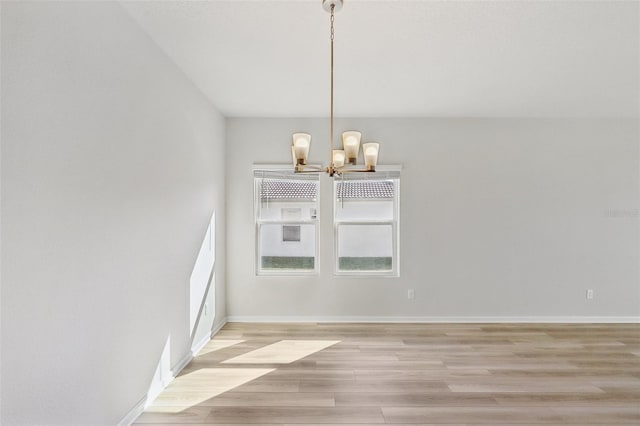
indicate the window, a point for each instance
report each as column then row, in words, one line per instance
column 366, row 224
column 286, row 212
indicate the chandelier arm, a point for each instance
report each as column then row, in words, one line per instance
column 308, row 169
column 341, row 171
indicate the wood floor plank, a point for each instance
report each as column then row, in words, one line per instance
column 470, row 415
column 500, row 415
column 386, row 424
column 410, row 399
column 341, row 415
column 268, row 385
column 430, row 374
column 274, row 399
column 524, row 387
column 548, row 399
column 189, row 415
column 368, row 386
column 282, row 352
column 382, row 365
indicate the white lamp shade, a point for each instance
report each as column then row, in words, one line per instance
column 351, row 144
column 301, row 143
column 370, row 151
column 338, row 158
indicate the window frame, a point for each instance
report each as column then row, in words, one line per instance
column 260, row 222
column 392, row 173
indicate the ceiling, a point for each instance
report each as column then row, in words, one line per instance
column 406, row 58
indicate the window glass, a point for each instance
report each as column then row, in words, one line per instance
column 365, row 247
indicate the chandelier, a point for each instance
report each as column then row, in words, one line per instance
column 341, row 160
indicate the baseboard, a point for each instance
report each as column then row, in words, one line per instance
column 201, row 344
column 443, row 319
column 217, row 328
column 177, row 368
column 134, row 413
column 138, row 409
column 206, row 339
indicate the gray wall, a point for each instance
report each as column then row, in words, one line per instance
column 112, row 163
column 500, row 219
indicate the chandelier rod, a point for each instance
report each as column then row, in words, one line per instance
column 332, row 138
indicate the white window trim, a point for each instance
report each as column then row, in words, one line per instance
column 395, row 226
column 394, row 273
column 259, row 222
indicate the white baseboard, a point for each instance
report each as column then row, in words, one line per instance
column 206, row 339
column 177, row 368
column 138, row 409
column 443, row 319
column 134, row 413
column 218, row 327
column 201, row 344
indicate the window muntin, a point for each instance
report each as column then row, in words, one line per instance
column 286, row 209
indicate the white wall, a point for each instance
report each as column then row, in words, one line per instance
column 500, row 218
column 112, row 164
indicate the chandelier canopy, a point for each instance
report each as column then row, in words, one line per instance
column 341, row 160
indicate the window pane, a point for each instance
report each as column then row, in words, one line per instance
column 355, row 210
column 286, row 199
column 287, row 246
column 365, row 247
column 364, row 200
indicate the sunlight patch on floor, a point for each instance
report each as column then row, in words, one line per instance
column 282, row 352
column 216, row 345
column 195, row 388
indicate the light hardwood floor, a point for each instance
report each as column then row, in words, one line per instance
column 366, row 374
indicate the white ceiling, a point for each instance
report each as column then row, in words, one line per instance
column 406, row 58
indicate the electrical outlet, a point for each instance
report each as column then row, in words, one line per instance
column 411, row 294
column 589, row 294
